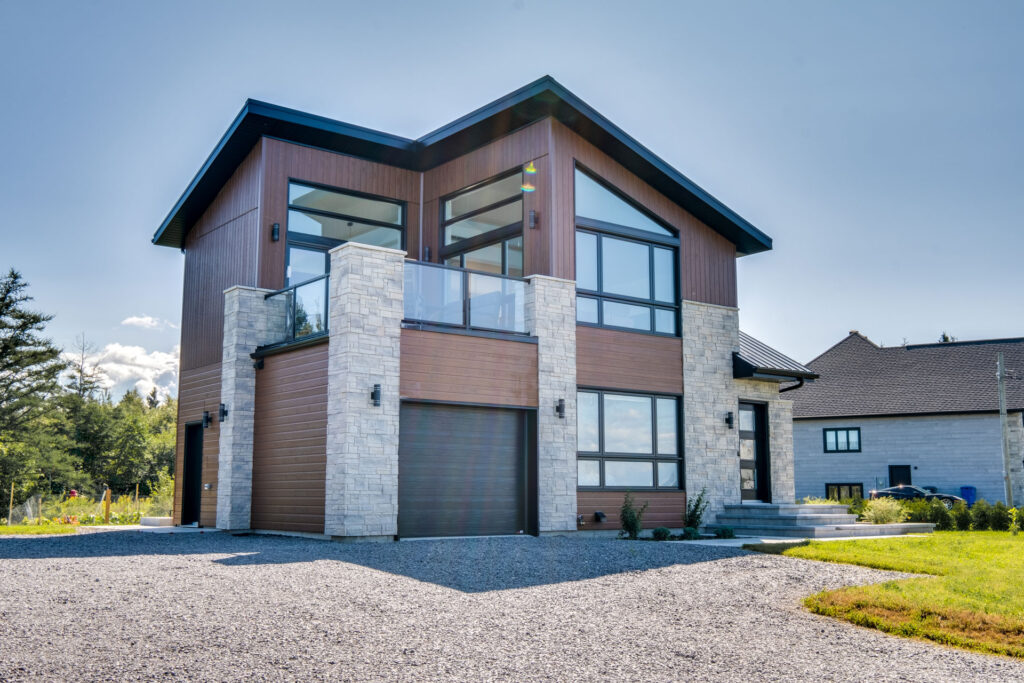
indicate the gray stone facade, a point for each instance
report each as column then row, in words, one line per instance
column 551, row 317
column 945, row 451
column 366, row 309
column 780, row 435
column 250, row 320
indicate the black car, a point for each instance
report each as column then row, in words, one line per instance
column 908, row 492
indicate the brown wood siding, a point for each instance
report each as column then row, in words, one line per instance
column 464, row 369
column 199, row 390
column 290, row 441
column 628, row 360
column 707, row 260
column 284, row 160
column 665, row 508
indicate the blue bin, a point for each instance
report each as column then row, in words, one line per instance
column 969, row 493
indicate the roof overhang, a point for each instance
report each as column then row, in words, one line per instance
column 745, row 369
column 540, row 99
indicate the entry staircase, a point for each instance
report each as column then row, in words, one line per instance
column 805, row 521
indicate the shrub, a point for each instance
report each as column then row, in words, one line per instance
column 632, row 518
column 980, row 512
column 691, row 534
column 884, row 511
column 695, row 510
column 661, row 534
column 1016, row 519
column 855, row 506
column 961, row 516
column 725, row 532
column 940, row 516
column 999, row 517
column 918, row 510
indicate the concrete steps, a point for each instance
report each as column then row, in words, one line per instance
column 805, row 521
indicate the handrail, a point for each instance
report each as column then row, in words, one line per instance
column 465, row 270
column 315, row 322
column 299, row 284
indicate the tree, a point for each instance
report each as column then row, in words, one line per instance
column 30, row 365
column 152, row 399
column 84, row 377
column 945, row 338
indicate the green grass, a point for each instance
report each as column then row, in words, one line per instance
column 36, row 529
column 974, row 598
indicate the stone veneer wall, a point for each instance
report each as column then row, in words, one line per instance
column 250, row 320
column 1016, row 423
column 366, row 310
column 551, row 317
column 780, row 435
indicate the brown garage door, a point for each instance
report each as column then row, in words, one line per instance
column 461, row 471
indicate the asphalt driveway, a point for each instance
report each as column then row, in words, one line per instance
column 128, row 605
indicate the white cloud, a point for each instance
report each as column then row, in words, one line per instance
column 148, row 322
column 123, row 367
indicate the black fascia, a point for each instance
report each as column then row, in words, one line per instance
column 744, row 369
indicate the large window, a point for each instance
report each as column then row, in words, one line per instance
column 625, row 264
column 320, row 219
column 842, row 440
column 628, row 441
column 482, row 226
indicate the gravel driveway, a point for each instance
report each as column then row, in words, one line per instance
column 127, row 605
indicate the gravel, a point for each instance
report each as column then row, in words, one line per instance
column 140, row 606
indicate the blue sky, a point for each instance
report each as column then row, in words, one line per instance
column 879, row 143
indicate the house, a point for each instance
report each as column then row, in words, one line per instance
column 500, row 327
column 923, row 414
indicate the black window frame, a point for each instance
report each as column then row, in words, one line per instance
column 857, row 485
column 824, row 440
column 500, row 235
column 601, row 229
column 309, row 242
column 601, row 455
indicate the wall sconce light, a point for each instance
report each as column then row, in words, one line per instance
column 560, row 408
column 600, row 517
column 206, row 419
column 275, row 232
column 728, row 419
column 222, row 413
column 533, row 219
column 375, row 395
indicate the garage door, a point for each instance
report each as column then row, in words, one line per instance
column 461, row 471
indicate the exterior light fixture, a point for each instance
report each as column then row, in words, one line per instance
column 560, row 408
column 600, row 517
column 533, row 219
column 275, row 232
column 375, row 395
column 728, row 419
column 222, row 413
column 206, row 419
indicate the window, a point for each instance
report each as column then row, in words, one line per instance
column 483, row 227
column 625, row 264
column 320, row 219
column 842, row 440
column 627, row 441
column 844, row 491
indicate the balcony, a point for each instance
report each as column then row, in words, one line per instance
column 305, row 311
column 456, row 298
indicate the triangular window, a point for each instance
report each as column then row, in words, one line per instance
column 597, row 202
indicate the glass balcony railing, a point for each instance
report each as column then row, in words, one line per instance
column 442, row 295
column 303, row 310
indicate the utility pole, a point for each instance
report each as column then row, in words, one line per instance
column 1004, row 426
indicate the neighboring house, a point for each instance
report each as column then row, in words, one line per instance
column 923, row 414
column 500, row 327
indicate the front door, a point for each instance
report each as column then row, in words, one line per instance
column 755, row 481
column 192, row 477
column 899, row 475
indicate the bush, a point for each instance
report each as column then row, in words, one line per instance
column 632, row 518
column 691, row 534
column 695, row 510
column 884, row 511
column 1016, row 520
column 961, row 515
column 855, row 506
column 980, row 512
column 661, row 534
column 999, row 517
column 918, row 510
column 725, row 532
column 940, row 516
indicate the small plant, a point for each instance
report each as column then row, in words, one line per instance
column 691, row 534
column 854, row 506
column 980, row 515
column 1016, row 517
column 918, row 510
column 661, row 534
column 695, row 510
column 999, row 517
column 884, row 511
column 812, row 500
column 632, row 518
column 725, row 532
column 940, row 516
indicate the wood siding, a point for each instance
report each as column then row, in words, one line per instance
column 199, row 390
column 707, row 261
column 464, row 369
column 290, row 441
column 665, row 508
column 628, row 360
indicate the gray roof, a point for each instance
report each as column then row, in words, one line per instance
column 861, row 378
column 757, row 358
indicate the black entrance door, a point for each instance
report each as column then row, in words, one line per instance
column 899, row 475
column 755, row 477
column 192, row 477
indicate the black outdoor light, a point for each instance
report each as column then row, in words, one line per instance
column 206, row 419
column 275, row 232
column 599, row 517
column 375, row 395
column 560, row 408
column 728, row 419
column 222, row 413
column 533, row 218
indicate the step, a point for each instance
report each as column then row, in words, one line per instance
column 771, row 510
column 730, row 519
column 827, row 531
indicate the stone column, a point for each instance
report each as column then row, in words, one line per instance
column 551, row 317
column 250, row 320
column 710, row 335
column 366, row 310
column 1016, row 428
column 780, row 449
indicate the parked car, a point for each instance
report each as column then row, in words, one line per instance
column 908, row 492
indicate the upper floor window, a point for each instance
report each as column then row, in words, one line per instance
column 626, row 271
column 482, row 226
column 320, row 219
column 842, row 440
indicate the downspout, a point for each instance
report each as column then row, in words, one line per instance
column 799, row 383
column 420, row 256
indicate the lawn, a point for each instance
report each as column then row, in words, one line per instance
column 974, row 598
column 36, row 529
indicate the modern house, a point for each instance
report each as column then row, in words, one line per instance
column 500, row 327
column 923, row 414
